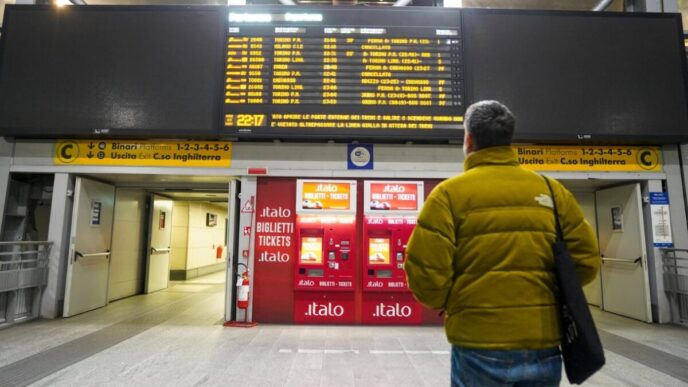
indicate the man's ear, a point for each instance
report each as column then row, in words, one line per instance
column 468, row 142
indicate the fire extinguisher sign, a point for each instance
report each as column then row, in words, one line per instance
column 248, row 207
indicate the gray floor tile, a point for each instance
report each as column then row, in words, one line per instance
column 184, row 346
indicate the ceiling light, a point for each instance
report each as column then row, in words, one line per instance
column 453, row 3
column 62, row 3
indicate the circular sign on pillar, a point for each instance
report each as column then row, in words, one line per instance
column 360, row 156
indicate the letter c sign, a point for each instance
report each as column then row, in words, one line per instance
column 66, row 152
column 648, row 159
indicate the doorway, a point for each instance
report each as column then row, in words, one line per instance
column 131, row 237
column 615, row 209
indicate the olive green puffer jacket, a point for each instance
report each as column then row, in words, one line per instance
column 481, row 251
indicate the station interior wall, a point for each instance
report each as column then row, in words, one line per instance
column 293, row 160
column 194, row 244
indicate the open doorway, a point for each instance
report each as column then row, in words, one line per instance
column 162, row 237
column 164, row 232
column 190, row 228
column 616, row 210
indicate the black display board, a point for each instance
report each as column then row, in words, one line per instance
column 126, row 71
column 343, row 73
column 570, row 76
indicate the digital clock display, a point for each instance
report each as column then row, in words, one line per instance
column 245, row 120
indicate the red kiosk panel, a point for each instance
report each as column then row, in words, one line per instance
column 391, row 209
column 326, row 233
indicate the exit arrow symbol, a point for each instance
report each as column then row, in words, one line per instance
column 90, row 145
column 90, row 155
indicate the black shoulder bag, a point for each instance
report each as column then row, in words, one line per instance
column 580, row 344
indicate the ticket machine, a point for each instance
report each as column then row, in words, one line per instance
column 326, row 234
column 391, row 209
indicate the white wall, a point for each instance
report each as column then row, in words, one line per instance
column 203, row 240
column 180, row 235
column 593, row 290
column 127, row 260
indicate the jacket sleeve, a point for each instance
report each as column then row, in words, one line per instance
column 580, row 238
column 430, row 251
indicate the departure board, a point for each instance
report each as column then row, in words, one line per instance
column 343, row 73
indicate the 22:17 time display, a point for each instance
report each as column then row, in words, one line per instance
column 245, row 120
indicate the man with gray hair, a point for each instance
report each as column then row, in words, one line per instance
column 481, row 252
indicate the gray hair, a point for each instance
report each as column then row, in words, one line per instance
column 490, row 123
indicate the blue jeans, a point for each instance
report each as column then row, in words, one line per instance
column 487, row 368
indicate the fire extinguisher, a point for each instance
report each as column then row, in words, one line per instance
column 242, row 292
column 218, row 252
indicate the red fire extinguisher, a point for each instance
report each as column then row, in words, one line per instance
column 242, row 293
column 218, row 252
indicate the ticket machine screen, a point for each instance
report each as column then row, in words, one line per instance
column 311, row 250
column 378, row 251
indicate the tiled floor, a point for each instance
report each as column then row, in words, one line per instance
column 175, row 338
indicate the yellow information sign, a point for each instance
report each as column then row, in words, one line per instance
column 144, row 153
column 589, row 158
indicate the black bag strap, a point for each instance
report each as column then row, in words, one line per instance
column 560, row 234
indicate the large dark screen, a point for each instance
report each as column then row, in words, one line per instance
column 132, row 70
column 618, row 78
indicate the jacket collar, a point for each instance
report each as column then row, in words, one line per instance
column 497, row 155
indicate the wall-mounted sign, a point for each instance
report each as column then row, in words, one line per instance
column 661, row 219
column 393, row 196
column 321, row 196
column 360, row 156
column 96, row 211
column 210, row 219
column 617, row 218
column 144, row 153
column 161, row 220
column 589, row 158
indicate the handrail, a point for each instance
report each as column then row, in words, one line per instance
column 667, row 249
column 25, row 252
column 25, row 243
column 22, row 262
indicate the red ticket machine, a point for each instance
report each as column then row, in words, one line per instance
column 326, row 234
column 391, row 210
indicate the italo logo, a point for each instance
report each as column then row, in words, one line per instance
column 394, row 188
column 278, row 212
column 396, row 310
column 375, row 284
column 306, row 283
column 277, row 256
column 324, row 310
column 326, row 188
